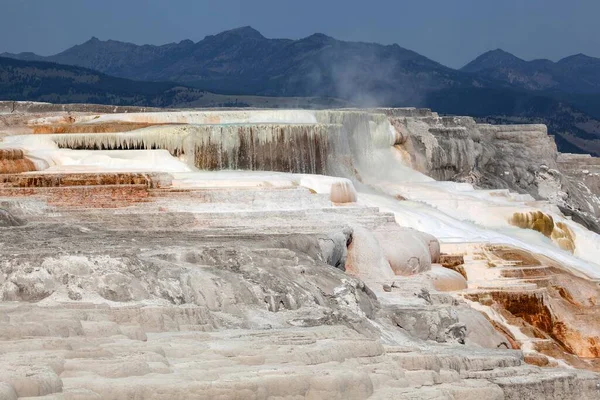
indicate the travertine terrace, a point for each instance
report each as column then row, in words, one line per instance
column 286, row 254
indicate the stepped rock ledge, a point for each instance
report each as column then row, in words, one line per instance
column 387, row 253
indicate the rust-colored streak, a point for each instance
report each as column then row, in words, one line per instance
column 11, row 154
column 78, row 179
column 537, row 360
column 111, row 196
column 13, row 161
column 528, row 306
column 106, row 190
column 566, row 295
column 108, row 127
column 16, row 166
column 543, row 313
column 514, row 344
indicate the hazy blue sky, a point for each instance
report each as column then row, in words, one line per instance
column 449, row 31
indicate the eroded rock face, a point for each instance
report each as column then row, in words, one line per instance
column 539, row 307
column 551, row 316
column 457, row 148
column 522, row 158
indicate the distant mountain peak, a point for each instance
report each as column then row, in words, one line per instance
column 499, row 51
column 246, row 32
column 26, row 56
column 500, row 55
column 580, row 55
column 493, row 59
column 579, row 58
column 319, row 37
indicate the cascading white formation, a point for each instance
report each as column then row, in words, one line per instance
column 360, row 145
column 260, row 147
column 242, row 176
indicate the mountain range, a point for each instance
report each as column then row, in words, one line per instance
column 575, row 74
column 58, row 83
column 242, row 61
column 497, row 86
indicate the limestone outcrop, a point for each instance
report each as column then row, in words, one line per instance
column 156, row 254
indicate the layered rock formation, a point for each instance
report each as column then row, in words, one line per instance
column 522, row 158
column 206, row 254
